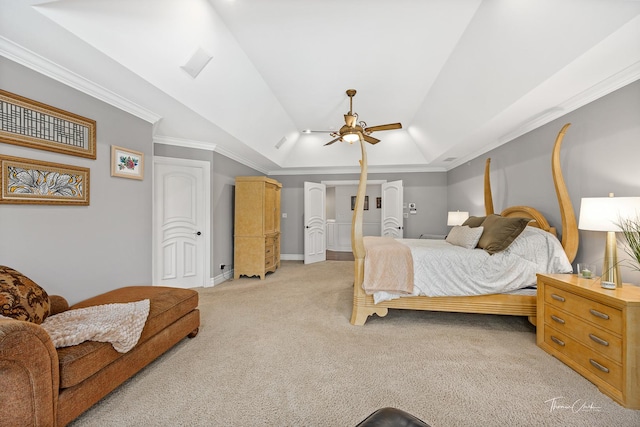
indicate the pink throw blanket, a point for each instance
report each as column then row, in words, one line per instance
column 388, row 266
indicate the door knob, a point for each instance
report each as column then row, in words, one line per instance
column 197, row 233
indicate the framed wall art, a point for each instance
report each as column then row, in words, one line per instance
column 33, row 124
column 366, row 203
column 127, row 163
column 30, row 181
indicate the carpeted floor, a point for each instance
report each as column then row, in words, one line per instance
column 281, row 352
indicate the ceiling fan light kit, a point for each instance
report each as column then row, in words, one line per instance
column 353, row 130
column 351, row 137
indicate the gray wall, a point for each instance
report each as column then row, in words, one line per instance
column 80, row 251
column 427, row 190
column 599, row 155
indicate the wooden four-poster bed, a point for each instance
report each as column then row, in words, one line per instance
column 502, row 303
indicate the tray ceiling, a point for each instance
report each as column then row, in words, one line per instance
column 246, row 77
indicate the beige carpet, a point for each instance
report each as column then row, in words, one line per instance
column 281, row 352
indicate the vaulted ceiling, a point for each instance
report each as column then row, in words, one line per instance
column 462, row 76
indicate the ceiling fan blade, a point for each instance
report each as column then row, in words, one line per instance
column 384, row 127
column 370, row 139
column 332, row 141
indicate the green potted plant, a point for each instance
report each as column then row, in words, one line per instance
column 631, row 230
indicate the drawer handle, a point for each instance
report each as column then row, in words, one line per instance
column 598, row 339
column 599, row 366
column 557, row 297
column 557, row 340
column 598, row 314
column 557, row 319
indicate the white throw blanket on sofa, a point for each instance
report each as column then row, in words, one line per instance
column 119, row 324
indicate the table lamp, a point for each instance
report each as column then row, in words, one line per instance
column 457, row 217
column 604, row 214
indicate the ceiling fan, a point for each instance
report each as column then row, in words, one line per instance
column 353, row 130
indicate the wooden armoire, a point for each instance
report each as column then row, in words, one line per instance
column 257, row 226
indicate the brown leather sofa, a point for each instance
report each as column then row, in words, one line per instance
column 44, row 386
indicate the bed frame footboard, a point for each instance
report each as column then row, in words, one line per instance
column 361, row 309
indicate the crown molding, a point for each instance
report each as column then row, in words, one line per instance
column 32, row 60
column 356, row 169
column 209, row 146
column 181, row 142
column 597, row 91
column 242, row 160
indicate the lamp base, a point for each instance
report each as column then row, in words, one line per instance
column 610, row 269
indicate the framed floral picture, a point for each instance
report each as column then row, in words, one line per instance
column 30, row 181
column 127, row 163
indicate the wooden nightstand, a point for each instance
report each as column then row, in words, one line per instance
column 594, row 331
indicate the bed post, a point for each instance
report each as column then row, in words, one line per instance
column 570, row 237
column 359, row 313
column 488, row 197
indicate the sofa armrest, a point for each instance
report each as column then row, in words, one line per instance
column 29, row 376
column 57, row 304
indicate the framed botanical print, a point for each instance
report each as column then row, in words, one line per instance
column 27, row 181
column 127, row 163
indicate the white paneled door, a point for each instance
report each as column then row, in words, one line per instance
column 315, row 222
column 392, row 200
column 181, row 223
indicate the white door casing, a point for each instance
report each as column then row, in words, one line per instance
column 315, row 221
column 181, row 223
column 392, row 200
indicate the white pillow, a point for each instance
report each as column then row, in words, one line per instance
column 465, row 236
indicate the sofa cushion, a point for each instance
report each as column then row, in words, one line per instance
column 166, row 306
column 21, row 298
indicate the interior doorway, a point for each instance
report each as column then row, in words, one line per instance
column 339, row 195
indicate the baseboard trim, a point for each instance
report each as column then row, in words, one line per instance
column 292, row 257
column 222, row 277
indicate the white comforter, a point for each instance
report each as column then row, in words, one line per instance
column 443, row 269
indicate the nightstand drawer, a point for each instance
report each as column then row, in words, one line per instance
column 595, row 363
column 599, row 314
column 599, row 340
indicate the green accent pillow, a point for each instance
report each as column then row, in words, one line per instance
column 499, row 232
column 21, row 298
column 474, row 221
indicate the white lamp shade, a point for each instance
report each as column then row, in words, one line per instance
column 604, row 213
column 457, row 217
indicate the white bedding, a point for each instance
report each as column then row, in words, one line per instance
column 443, row 269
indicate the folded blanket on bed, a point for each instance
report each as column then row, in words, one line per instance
column 119, row 324
column 388, row 266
